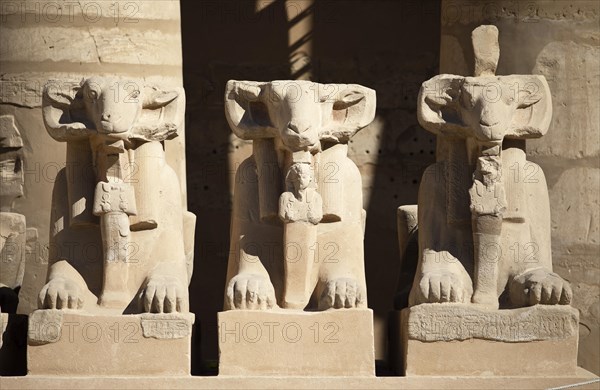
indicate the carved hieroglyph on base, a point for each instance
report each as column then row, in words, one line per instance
column 120, row 238
column 484, row 218
column 298, row 220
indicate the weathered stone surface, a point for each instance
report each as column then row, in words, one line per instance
column 47, row 44
column 93, row 46
column 45, row 326
column 166, row 326
column 447, row 339
column 576, row 231
column 573, row 73
column 10, row 137
column 152, row 47
column 576, row 211
column 447, row 322
column 11, row 164
column 12, row 249
column 486, row 49
column 294, row 343
column 106, row 344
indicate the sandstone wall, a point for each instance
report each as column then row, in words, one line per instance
column 560, row 40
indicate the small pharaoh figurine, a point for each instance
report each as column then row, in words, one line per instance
column 301, row 202
column 301, row 210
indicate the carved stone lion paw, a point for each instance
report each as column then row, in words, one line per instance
column 443, row 286
column 342, row 293
column 60, row 293
column 539, row 286
column 164, row 294
column 250, row 291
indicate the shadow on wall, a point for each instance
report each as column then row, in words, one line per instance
column 389, row 46
column 392, row 47
column 222, row 40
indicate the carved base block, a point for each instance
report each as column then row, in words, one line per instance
column 67, row 342
column 461, row 340
column 296, row 343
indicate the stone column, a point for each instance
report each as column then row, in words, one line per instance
column 559, row 40
column 69, row 41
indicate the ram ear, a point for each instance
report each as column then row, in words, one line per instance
column 438, row 105
column 534, row 110
column 352, row 108
column 247, row 110
column 58, row 97
column 64, row 113
column 155, row 97
column 162, row 113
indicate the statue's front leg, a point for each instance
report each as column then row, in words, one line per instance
column 539, row 286
column 165, row 290
column 249, row 285
column 256, row 250
column 443, row 278
column 341, row 261
column 65, row 289
column 250, row 291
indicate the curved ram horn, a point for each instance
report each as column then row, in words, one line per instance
column 64, row 113
column 534, row 112
column 352, row 108
column 246, row 113
column 437, row 105
column 162, row 114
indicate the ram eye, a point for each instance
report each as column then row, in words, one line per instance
column 134, row 94
column 325, row 98
column 348, row 100
column 93, row 94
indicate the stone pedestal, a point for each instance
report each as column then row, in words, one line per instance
column 295, row 343
column 66, row 342
column 461, row 339
column 582, row 380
